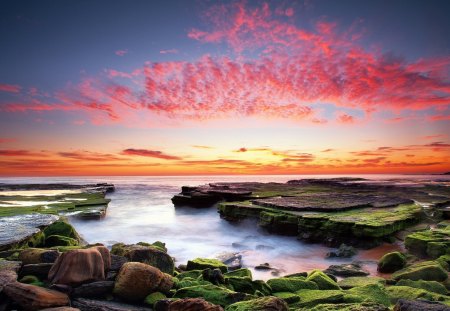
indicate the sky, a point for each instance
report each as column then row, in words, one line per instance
column 198, row 87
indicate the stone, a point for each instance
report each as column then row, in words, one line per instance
column 8, row 265
column 322, row 280
column 31, row 297
column 291, row 284
column 358, row 281
column 213, row 276
column 62, row 228
column 260, row 304
column 38, row 255
column 154, row 297
column 6, row 277
column 40, row 270
column 431, row 286
column 346, row 270
column 98, row 289
column 136, row 280
column 212, row 293
column 419, row 305
column 117, row 262
column 364, row 306
column 60, row 309
column 232, row 260
column 344, row 251
column 427, row 271
column 106, row 256
column 391, row 262
column 78, row 266
column 205, row 263
column 310, row 297
column 102, row 305
column 186, row 304
column 59, row 240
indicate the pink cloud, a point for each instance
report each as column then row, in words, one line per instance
column 10, row 88
column 346, row 119
column 171, row 51
column 149, row 153
column 121, row 52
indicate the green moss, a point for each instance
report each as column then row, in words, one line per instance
column 58, row 240
column 246, row 285
column 371, row 293
column 427, row 271
column 244, row 272
column 212, row 293
column 365, row 306
column 153, row 298
column 406, row 292
column 322, row 280
column 391, row 262
column 310, row 297
column 64, row 249
column 188, row 282
column 358, row 281
column 194, row 274
column 292, row 284
column 288, row 297
column 61, row 228
column 259, row 304
column 29, row 279
column 431, row 286
column 444, row 261
column 205, row 263
column 432, row 243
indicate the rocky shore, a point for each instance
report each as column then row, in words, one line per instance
column 54, row 269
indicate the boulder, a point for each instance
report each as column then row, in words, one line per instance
column 102, row 305
column 154, row 297
column 391, row 262
column 292, row 284
column 322, row 280
column 431, row 286
column 205, row 263
column 60, row 309
column 369, row 293
column 98, row 289
column 311, row 297
column 187, row 304
column 59, row 240
column 38, row 255
column 357, row 281
column 136, row 281
column 344, row 251
column 406, row 292
column 117, row 262
column 6, row 277
column 260, row 304
column 31, row 297
column 212, row 293
column 40, row 270
column 8, row 265
column 232, row 260
column 248, row 286
column 427, row 271
column 347, row 270
column 364, row 306
column 419, row 305
column 106, row 256
column 78, row 266
column 62, row 228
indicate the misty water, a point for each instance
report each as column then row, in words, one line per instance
column 141, row 210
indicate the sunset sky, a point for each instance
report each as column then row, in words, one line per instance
column 224, row 87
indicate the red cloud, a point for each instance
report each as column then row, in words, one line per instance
column 10, row 88
column 18, row 153
column 89, row 156
column 149, row 153
column 345, row 118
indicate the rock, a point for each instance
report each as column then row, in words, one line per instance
column 106, row 256
column 264, row 266
column 391, row 262
column 292, row 284
column 243, row 272
column 410, row 293
column 77, row 267
column 232, row 260
column 62, row 228
column 346, row 270
column 427, row 271
column 40, row 270
column 60, row 309
column 6, row 277
column 212, row 293
column 298, row 274
column 311, row 297
column 204, row 263
column 288, row 297
column 7, row 265
column 419, row 305
column 260, row 304
column 148, row 254
column 213, row 276
column 364, row 306
column 372, row 292
column 102, row 305
column 429, row 243
column 358, row 281
column 344, row 251
column 195, row 274
column 431, row 286
column 248, row 286
column 59, row 240
column 186, row 304
column 38, row 255
column 153, row 298
column 31, row 297
column 98, row 289
column 117, row 262
column 136, row 281
column 322, row 280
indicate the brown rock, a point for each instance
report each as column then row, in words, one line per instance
column 77, row 267
column 98, row 289
column 106, row 256
column 136, row 281
column 6, row 277
column 187, row 304
column 40, row 270
column 61, row 309
column 31, row 297
column 10, row 265
column 38, row 255
column 103, row 305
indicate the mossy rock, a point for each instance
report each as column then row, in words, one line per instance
column 59, row 240
column 437, row 249
column 431, row 286
column 29, row 279
column 154, row 297
column 188, row 282
column 243, row 272
column 259, row 304
column 212, row 293
column 62, row 228
column 391, row 262
column 357, row 281
column 410, row 293
column 427, row 271
column 292, row 284
column 365, row 306
column 429, row 243
column 370, row 293
column 312, row 297
column 158, row 244
column 246, row 285
column 205, row 263
column 288, row 297
column 194, row 274
column 322, row 280
column 444, row 261
column 64, row 249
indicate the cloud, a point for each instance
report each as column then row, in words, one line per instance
column 18, row 153
column 149, row 153
column 433, row 136
column 327, row 150
column 346, row 119
column 6, row 140
column 171, row 51
column 121, row 52
column 10, row 88
column 89, row 156
column 202, row 147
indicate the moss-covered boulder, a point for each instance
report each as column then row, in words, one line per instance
column 212, row 293
column 205, row 263
column 260, row 304
column 369, row 293
column 431, row 286
column 406, row 292
column 37, row 255
column 444, row 261
column 292, row 284
column 429, row 243
column 322, row 280
column 365, row 306
column 427, row 271
column 154, row 297
column 357, row 281
column 248, row 286
column 391, row 262
column 288, row 297
column 243, row 272
column 188, row 282
column 62, row 228
column 312, row 297
column 59, row 240
column 194, row 274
